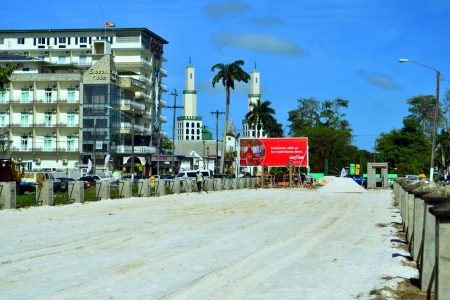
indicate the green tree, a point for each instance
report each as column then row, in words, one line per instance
column 407, row 150
column 166, row 143
column 261, row 115
column 5, row 73
column 228, row 74
column 329, row 134
column 422, row 109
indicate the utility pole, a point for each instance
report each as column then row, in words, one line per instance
column 174, row 107
column 217, row 113
column 95, row 146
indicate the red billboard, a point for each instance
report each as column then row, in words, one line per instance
column 274, row 152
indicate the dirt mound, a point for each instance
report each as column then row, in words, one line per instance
column 324, row 180
column 342, row 185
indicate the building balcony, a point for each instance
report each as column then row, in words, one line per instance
column 142, row 95
column 21, row 101
column 47, row 125
column 4, row 101
column 132, row 84
column 23, row 125
column 21, row 149
column 163, row 103
column 163, row 87
column 163, row 119
column 163, row 72
column 68, row 101
column 68, row 149
column 130, row 105
column 68, row 125
column 147, row 115
column 125, row 149
column 45, row 101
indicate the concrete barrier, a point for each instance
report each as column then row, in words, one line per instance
column 442, row 214
column 8, row 195
column 102, row 190
column 428, row 265
column 210, row 184
column 75, row 190
column 161, row 187
column 125, row 188
column 217, row 184
column 177, row 186
column 44, row 193
column 234, row 184
column 227, row 184
column 144, row 188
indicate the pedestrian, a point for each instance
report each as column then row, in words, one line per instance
column 199, row 179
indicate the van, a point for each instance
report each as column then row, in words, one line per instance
column 193, row 173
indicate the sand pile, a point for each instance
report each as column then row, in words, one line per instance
column 324, row 180
column 342, row 185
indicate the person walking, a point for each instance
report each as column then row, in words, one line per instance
column 199, row 179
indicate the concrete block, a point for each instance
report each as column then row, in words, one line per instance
column 443, row 261
column 144, row 188
column 75, row 191
column 418, row 231
column 8, row 195
column 102, row 190
column 227, row 184
column 176, row 186
column 234, row 184
column 161, row 187
column 210, row 184
column 44, row 193
column 125, row 188
column 217, row 184
column 410, row 217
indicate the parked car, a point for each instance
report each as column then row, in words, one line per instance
column 30, row 179
column 412, row 177
column 65, row 183
column 193, row 173
column 91, row 179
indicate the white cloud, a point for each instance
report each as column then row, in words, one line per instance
column 219, row 10
column 258, row 42
column 384, row 82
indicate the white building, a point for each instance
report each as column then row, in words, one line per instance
column 55, row 108
column 249, row 130
column 189, row 125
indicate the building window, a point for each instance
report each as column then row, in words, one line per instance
column 24, row 119
column 41, row 41
column 192, row 131
column 198, row 125
column 24, row 143
column 192, row 124
column 198, row 131
column 25, row 95
column 2, row 119
column 62, row 40
column 193, row 137
column 187, row 124
column 198, row 137
column 2, row 97
column 61, row 59
column 2, row 41
column 82, row 60
column 70, row 144
column 187, row 137
column 83, row 40
column 47, row 143
column 187, row 131
column 47, row 119
column 20, row 41
column 71, row 95
column 48, row 95
column 25, row 69
column 70, row 119
column 190, row 75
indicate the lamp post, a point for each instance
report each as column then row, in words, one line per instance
column 132, row 138
column 436, row 109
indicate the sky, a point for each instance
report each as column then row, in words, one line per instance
column 323, row 49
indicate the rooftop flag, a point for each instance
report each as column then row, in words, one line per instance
column 108, row 24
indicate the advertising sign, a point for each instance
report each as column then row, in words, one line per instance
column 274, row 152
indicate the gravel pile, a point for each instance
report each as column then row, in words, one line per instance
column 342, row 185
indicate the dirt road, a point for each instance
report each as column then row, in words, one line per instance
column 246, row 244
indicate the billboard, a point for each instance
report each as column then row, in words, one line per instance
column 274, row 152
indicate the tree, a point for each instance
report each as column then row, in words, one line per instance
column 5, row 73
column 407, row 150
column 166, row 143
column 329, row 134
column 227, row 74
column 260, row 115
column 422, row 110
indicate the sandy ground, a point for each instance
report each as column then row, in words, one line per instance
column 246, row 244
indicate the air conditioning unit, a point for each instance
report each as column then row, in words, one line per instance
column 65, row 161
column 37, row 160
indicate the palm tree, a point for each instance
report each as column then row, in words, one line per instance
column 227, row 74
column 261, row 116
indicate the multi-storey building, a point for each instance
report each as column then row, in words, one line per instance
column 189, row 125
column 80, row 94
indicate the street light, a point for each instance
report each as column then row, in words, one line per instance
column 436, row 109
column 132, row 138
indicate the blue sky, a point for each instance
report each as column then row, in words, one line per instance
column 321, row 49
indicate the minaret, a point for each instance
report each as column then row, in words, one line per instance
column 189, row 126
column 255, row 95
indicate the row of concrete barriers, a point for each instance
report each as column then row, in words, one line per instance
column 425, row 212
column 145, row 188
